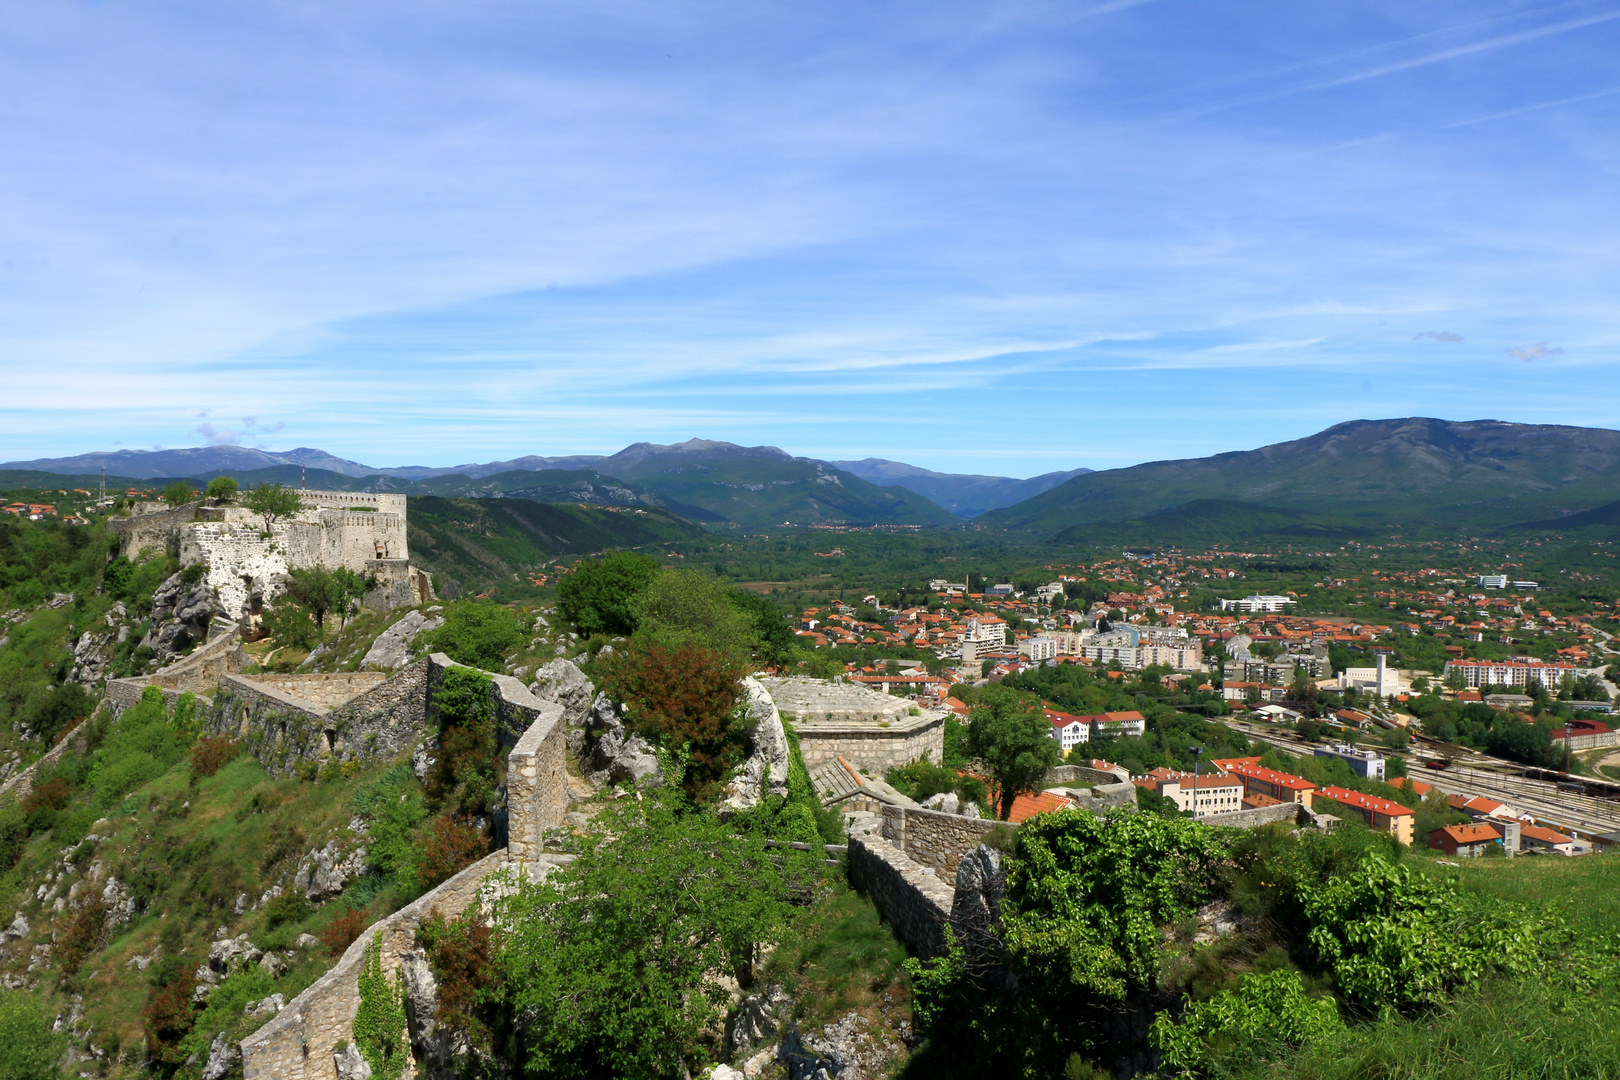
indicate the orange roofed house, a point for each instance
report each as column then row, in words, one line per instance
column 1259, row 780
column 1381, row 815
column 1465, row 840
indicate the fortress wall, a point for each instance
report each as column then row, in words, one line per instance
column 142, row 531
column 328, row 689
column 911, row 896
column 297, row 1044
column 536, row 786
column 342, row 500
column 934, row 839
column 870, row 747
column 351, row 540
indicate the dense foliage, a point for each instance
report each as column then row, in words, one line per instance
column 1008, row 732
column 685, row 700
column 478, row 634
column 598, row 597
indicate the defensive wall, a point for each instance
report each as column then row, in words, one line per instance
column 1059, row 774
column 298, row 1043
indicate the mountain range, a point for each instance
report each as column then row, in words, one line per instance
column 1349, row 480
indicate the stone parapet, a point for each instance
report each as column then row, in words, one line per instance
column 911, row 896
column 1293, row 813
column 330, row 689
column 1068, row 774
column 298, row 1043
column 934, row 839
column 536, row 786
column 873, row 746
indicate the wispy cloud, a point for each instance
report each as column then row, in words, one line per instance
column 1527, row 353
column 1438, row 335
column 217, row 437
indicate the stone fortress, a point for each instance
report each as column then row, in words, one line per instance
column 869, row 730
column 246, row 566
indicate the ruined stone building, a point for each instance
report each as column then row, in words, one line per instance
column 247, row 566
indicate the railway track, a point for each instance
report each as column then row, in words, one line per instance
column 1472, row 773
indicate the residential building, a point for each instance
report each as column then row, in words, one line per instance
column 1259, row 780
column 1256, row 603
column 1584, row 734
column 999, row 590
column 1465, row 841
column 1538, row 838
column 1520, row 672
column 1038, row 648
column 1493, row 581
column 1209, row 794
column 1381, row 815
column 1368, row 763
column 1482, row 809
column 1118, row 725
column 1069, row 731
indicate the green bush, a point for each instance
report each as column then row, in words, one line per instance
column 1265, row 1015
column 597, row 597
column 29, row 1049
column 479, row 634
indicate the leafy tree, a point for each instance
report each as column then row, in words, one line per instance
column 57, row 708
column 178, row 493
column 222, row 489
column 479, row 634
column 597, row 597
column 468, row 768
column 613, row 965
column 321, row 592
column 272, row 502
column 771, row 629
column 683, row 607
column 1264, row 1017
column 1010, row 733
column 684, row 699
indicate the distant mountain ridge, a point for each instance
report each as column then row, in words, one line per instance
column 1480, row 474
column 964, row 494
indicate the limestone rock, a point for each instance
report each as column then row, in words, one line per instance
column 326, row 871
column 425, row 756
column 561, row 681
column 945, row 802
column 391, row 650
column 306, row 941
column 758, row 1020
column 765, row 770
column 612, row 754
column 181, row 613
column 17, row 929
column 222, row 1054
column 266, row 1006
column 439, row 1050
column 726, row 1072
column 350, row 1064
column 969, row 810
column 90, row 658
column 231, row 955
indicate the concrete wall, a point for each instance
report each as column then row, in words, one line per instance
column 297, row 1044
column 871, row 748
column 1294, row 813
column 328, row 689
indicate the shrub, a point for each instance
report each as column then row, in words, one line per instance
column 209, row 754
column 53, row 794
column 598, row 596
column 480, row 635
column 344, row 929
column 287, row 907
column 29, row 1049
column 468, row 766
column 686, row 700
column 82, row 936
column 448, row 847
column 462, row 952
column 169, row 1015
column 1265, row 1014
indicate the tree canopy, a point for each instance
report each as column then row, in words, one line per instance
column 598, row 596
column 273, row 502
column 479, row 634
column 1010, row 733
column 221, row 489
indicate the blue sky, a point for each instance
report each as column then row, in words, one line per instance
column 978, row 237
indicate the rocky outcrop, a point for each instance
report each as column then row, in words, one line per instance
column 564, row 683
column 182, row 612
column 612, row 755
column 91, row 654
column 392, row 649
column 765, row 771
column 759, row 1018
column 222, row 1055
column 326, row 871
column 349, row 1063
column 439, row 1051
column 849, row 1048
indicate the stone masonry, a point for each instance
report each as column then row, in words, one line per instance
column 870, row 730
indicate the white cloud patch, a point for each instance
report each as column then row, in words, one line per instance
column 1438, row 335
column 216, row 437
column 1540, row 349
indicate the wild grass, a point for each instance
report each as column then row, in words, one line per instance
column 844, row 957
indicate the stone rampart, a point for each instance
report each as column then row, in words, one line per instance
column 1069, row 774
column 345, row 500
column 516, row 709
column 911, row 896
column 934, row 839
column 330, row 689
column 142, row 531
column 536, row 786
column 298, row 1043
column 873, row 746
column 1293, row 813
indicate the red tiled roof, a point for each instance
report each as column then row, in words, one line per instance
column 1271, row 776
column 1365, row 802
column 1468, row 834
column 1546, row 836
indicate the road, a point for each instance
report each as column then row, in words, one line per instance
column 1478, row 774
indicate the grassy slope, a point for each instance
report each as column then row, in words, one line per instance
column 1214, row 521
column 196, row 845
column 492, row 539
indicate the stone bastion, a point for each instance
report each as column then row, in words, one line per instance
column 870, row 730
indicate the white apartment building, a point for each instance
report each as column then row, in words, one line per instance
column 1520, row 672
column 1038, row 648
column 1256, row 603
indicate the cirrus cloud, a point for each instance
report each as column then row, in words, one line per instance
column 1537, row 351
column 1438, row 335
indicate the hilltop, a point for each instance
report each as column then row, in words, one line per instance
column 1473, row 474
